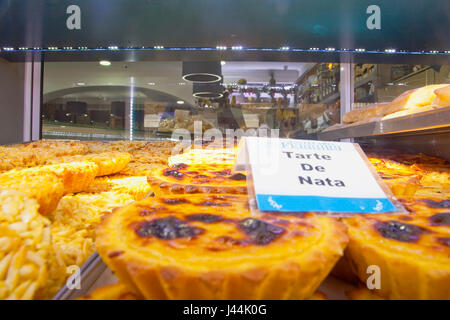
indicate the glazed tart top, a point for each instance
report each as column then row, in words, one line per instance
column 424, row 236
column 195, row 175
column 212, row 232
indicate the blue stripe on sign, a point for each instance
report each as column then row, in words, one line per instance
column 267, row 202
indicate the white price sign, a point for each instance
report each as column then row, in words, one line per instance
column 151, row 121
column 303, row 175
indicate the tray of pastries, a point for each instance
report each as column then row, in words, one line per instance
column 195, row 238
column 417, row 109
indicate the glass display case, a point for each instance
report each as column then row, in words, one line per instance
column 124, row 123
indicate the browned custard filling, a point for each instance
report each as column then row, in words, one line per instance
column 255, row 231
column 209, row 246
column 399, row 231
column 198, row 178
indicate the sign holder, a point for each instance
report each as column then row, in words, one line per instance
column 243, row 163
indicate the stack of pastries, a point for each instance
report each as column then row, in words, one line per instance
column 413, row 101
column 52, row 196
column 178, row 226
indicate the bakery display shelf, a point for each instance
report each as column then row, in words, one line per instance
column 367, row 79
column 330, row 99
column 433, row 120
column 409, row 75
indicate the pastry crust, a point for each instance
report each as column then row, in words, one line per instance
column 117, row 291
column 75, row 176
column 108, row 162
column 411, row 101
column 442, row 96
column 205, row 247
column 25, row 246
column 412, row 252
column 197, row 178
column 46, row 188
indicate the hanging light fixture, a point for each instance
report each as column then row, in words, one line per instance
column 207, row 90
column 202, row 72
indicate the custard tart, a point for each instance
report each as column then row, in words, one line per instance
column 210, row 247
column 411, row 251
column 107, row 162
column 198, row 178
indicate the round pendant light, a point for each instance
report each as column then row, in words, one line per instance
column 207, row 90
column 202, row 72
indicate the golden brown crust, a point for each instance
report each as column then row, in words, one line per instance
column 36, row 153
column 75, row 176
column 411, row 101
column 404, row 248
column 120, row 291
column 25, row 246
column 44, row 187
column 288, row 265
column 116, row 291
column 108, row 162
column 442, row 97
column 197, row 178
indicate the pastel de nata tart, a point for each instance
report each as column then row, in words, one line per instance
column 426, row 205
column 188, row 249
column 199, row 156
column 198, row 178
column 403, row 186
column 46, row 188
column 107, row 162
column 412, row 252
column 75, row 176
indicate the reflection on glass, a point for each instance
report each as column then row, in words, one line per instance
column 150, row 100
column 384, row 82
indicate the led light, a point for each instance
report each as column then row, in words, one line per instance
column 236, row 48
column 131, row 106
column 284, row 48
column 113, row 47
column 221, row 48
column 182, row 83
column 223, row 63
column 81, row 84
column 360, row 50
column 8, row 49
column 390, row 50
column 330, row 49
column 180, row 102
column 105, row 63
column 151, row 83
column 159, row 47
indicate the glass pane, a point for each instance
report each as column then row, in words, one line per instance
column 158, row 100
column 384, row 82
